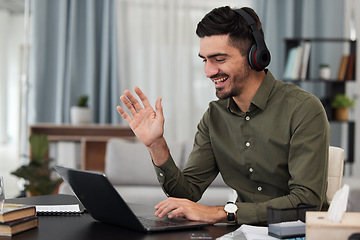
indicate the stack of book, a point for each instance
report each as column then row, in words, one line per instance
column 16, row 218
column 296, row 67
column 346, row 68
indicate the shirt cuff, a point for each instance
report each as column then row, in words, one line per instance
column 166, row 171
column 247, row 213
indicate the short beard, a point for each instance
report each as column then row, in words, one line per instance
column 237, row 85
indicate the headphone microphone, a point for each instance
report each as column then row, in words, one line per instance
column 258, row 54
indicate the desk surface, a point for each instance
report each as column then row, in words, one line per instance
column 71, row 132
column 83, row 226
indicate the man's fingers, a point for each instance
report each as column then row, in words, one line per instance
column 142, row 97
column 173, row 207
column 124, row 114
column 164, row 207
column 163, row 211
column 133, row 101
column 177, row 213
column 158, row 107
column 128, row 104
column 120, row 110
column 159, row 204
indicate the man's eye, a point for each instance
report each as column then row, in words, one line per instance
column 220, row 60
column 204, row 60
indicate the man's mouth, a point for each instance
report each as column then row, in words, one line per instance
column 219, row 80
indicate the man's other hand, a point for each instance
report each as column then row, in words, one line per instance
column 179, row 207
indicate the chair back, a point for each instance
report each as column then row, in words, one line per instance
column 335, row 171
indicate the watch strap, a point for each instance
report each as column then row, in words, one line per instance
column 231, row 217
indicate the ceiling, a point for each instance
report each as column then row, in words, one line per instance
column 13, row 6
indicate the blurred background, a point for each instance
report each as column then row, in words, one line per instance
column 52, row 52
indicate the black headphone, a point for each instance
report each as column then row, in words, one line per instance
column 258, row 54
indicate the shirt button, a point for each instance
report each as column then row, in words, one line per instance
column 247, row 118
column 247, row 144
column 259, row 189
column 251, row 170
column 161, row 174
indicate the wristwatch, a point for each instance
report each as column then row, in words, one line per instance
column 231, row 209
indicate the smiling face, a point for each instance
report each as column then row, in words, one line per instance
column 224, row 65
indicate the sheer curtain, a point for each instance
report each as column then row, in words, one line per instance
column 73, row 53
column 158, row 51
column 4, row 20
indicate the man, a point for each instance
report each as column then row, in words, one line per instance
column 269, row 140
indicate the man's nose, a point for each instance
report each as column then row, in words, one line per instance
column 211, row 69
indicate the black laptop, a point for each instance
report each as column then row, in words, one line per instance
column 104, row 204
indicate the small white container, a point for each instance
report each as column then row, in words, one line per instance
column 80, row 115
column 324, row 72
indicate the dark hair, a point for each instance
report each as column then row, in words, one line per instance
column 224, row 21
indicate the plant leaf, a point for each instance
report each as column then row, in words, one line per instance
column 39, row 144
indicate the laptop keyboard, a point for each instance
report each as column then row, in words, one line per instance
column 156, row 222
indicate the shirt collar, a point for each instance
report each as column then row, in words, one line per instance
column 263, row 93
column 261, row 96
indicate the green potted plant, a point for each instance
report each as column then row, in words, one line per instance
column 341, row 104
column 38, row 174
column 81, row 113
column 82, row 101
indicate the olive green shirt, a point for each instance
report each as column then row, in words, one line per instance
column 275, row 154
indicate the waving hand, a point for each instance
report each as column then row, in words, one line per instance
column 147, row 124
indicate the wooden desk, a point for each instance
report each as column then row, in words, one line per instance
column 84, row 227
column 92, row 137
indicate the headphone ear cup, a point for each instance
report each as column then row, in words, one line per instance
column 258, row 59
column 252, row 58
column 258, row 54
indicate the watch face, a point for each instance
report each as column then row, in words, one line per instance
column 230, row 208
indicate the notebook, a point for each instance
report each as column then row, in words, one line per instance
column 59, row 209
column 104, row 204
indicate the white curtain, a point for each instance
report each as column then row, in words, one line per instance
column 158, row 51
column 4, row 20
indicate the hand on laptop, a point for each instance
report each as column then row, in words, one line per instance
column 146, row 123
column 179, row 207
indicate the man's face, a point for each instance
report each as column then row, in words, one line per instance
column 224, row 65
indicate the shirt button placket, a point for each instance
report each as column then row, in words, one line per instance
column 247, row 118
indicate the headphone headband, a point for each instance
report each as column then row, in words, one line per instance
column 258, row 54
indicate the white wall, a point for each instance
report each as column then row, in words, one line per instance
column 15, row 57
column 4, row 18
column 11, row 42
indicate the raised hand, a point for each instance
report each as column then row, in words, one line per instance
column 146, row 123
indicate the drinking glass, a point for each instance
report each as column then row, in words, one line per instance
column 2, row 193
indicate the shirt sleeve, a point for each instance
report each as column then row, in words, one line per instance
column 167, row 174
column 198, row 173
column 307, row 163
